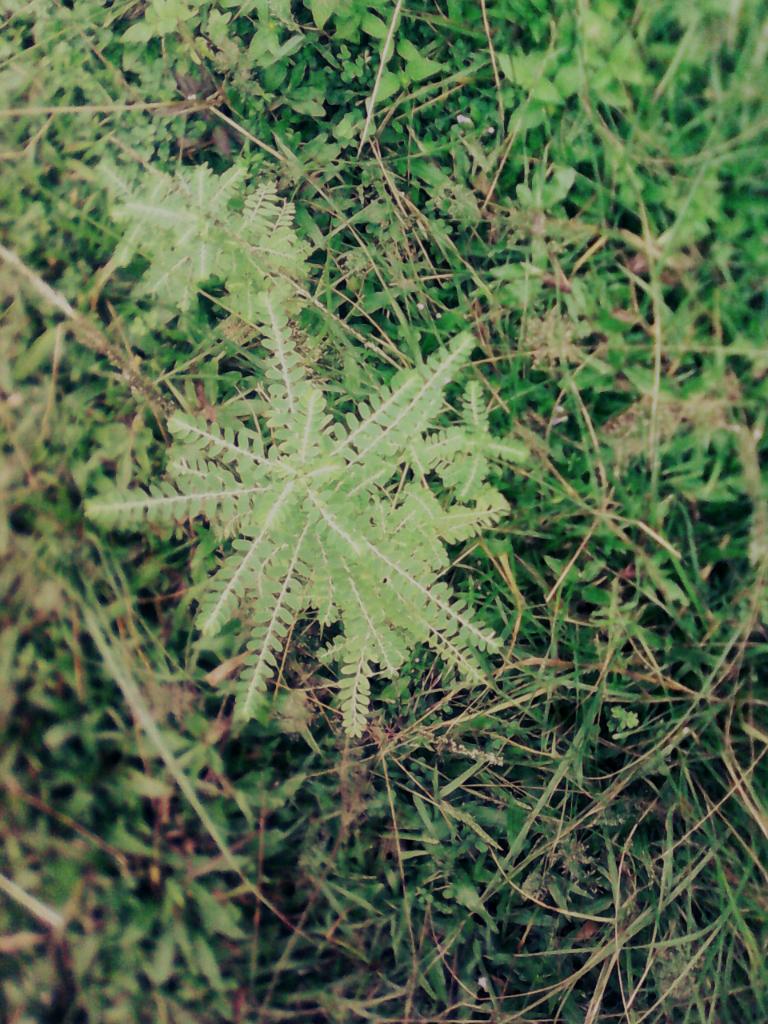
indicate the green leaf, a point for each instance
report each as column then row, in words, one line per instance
column 322, row 10
column 373, row 26
column 141, row 32
column 160, row 968
column 419, row 68
column 529, row 71
column 389, row 84
column 217, row 26
column 207, row 963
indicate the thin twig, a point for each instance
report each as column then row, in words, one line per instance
column 248, row 135
column 45, row 915
column 161, row 106
column 380, row 74
column 494, row 65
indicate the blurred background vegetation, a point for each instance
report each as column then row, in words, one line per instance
column 584, row 185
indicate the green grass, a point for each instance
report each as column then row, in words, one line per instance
column 584, row 840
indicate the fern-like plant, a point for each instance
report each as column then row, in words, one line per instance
column 195, row 225
column 340, row 518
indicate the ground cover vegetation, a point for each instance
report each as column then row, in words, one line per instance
column 384, row 534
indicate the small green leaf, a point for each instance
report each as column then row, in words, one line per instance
column 147, row 785
column 140, row 32
column 160, row 968
column 419, row 68
column 322, row 10
column 559, row 185
column 545, row 91
column 373, row 26
column 207, row 963
column 217, row 26
column 389, row 84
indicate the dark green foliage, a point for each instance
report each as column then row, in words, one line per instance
column 582, row 838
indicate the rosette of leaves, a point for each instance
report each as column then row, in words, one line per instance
column 338, row 518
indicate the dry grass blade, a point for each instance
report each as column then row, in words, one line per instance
column 383, row 60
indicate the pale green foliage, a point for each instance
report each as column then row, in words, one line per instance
column 196, row 225
column 623, row 721
column 334, row 517
column 161, row 17
column 342, row 520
